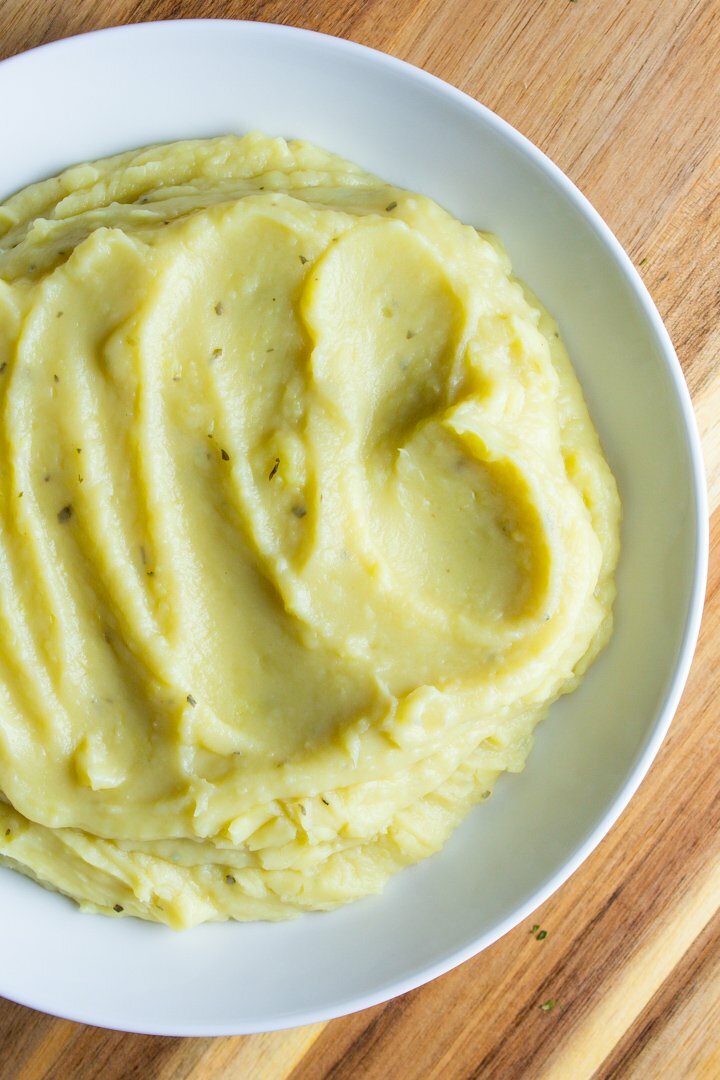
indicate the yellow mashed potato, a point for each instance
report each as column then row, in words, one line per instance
column 303, row 525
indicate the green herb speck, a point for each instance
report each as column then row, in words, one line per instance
column 390, row 206
column 191, row 700
column 65, row 514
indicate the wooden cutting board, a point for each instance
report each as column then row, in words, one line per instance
column 625, row 96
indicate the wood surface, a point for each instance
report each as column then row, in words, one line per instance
column 625, row 96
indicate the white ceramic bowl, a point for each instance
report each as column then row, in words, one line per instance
column 97, row 94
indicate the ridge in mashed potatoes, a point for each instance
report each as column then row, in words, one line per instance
column 303, row 525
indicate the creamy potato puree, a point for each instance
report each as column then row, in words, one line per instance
column 303, row 525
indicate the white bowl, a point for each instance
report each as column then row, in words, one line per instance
column 93, row 95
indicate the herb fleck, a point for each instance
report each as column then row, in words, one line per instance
column 325, row 801
column 542, row 935
column 3, row 366
column 56, row 378
column 191, row 700
column 549, row 1005
column 391, row 206
column 485, row 794
column 219, row 308
column 270, row 350
column 20, row 494
column 299, row 511
column 535, row 928
column 229, row 879
column 275, row 468
column 224, row 455
column 78, row 450
column 642, row 262
column 410, row 334
column 7, row 832
column 46, row 478
column 215, row 354
column 59, row 315
column 65, row 514
column 118, row 907
column 150, row 573
column 303, row 260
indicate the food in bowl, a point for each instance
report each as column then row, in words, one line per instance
column 304, row 526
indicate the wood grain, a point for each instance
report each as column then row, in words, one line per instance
column 623, row 95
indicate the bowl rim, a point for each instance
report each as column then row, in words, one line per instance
column 666, row 708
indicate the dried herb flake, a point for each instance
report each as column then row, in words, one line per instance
column 118, row 908
column 191, row 700
column 542, row 935
column 275, row 468
column 219, row 308
column 549, row 1005
column 391, row 206
column 224, row 455
column 65, row 514
column 229, row 879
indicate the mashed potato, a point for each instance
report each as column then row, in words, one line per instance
column 303, row 525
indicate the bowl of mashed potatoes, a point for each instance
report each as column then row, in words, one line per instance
column 338, row 432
